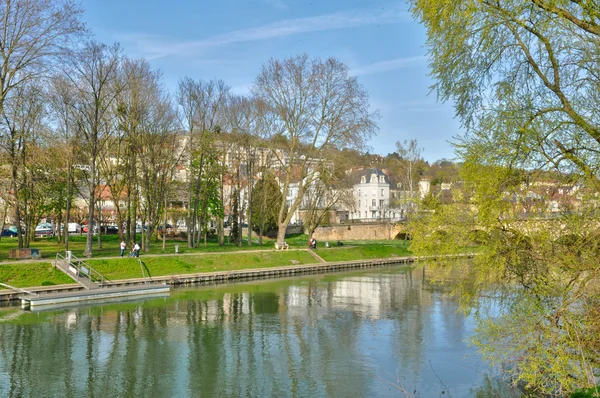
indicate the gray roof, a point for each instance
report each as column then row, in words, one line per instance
column 356, row 176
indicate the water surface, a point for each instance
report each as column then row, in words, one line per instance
column 379, row 332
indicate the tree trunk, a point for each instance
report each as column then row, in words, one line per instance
column 99, row 238
column 164, row 237
column 281, row 233
column 90, row 233
column 68, row 206
column 250, row 175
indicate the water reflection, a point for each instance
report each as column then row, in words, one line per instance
column 370, row 333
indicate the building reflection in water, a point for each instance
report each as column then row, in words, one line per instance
column 347, row 334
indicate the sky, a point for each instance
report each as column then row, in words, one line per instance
column 231, row 39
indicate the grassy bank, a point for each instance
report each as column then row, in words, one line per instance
column 124, row 268
column 211, row 258
column 362, row 250
column 110, row 246
column 32, row 274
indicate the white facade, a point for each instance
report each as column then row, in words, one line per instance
column 372, row 197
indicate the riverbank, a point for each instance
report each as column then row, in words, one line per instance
column 197, row 267
column 218, row 276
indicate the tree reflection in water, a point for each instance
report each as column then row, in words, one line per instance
column 347, row 334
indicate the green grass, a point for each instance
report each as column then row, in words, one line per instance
column 211, row 258
column 110, row 246
column 32, row 274
column 362, row 250
column 125, row 268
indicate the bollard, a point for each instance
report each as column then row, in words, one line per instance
column 176, row 248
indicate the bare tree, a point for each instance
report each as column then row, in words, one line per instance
column 245, row 121
column 133, row 107
column 410, row 159
column 32, row 34
column 94, row 72
column 157, row 146
column 201, row 104
column 318, row 106
column 61, row 99
column 321, row 201
column 22, row 115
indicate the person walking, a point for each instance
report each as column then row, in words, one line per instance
column 136, row 250
column 123, row 247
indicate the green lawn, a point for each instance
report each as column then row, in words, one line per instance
column 361, row 250
column 32, row 274
column 110, row 246
column 124, row 268
column 209, row 259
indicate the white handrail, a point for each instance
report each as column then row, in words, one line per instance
column 19, row 289
column 83, row 269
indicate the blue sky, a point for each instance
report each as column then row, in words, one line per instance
column 231, row 39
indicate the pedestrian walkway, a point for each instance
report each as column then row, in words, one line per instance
column 193, row 253
column 315, row 255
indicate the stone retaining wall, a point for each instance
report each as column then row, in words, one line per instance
column 358, row 232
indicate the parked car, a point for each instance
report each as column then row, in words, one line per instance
column 110, row 229
column 74, row 228
column 84, row 228
column 10, row 231
column 44, row 229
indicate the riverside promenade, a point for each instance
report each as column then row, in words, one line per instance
column 320, row 266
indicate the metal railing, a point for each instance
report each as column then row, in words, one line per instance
column 18, row 289
column 143, row 274
column 81, row 271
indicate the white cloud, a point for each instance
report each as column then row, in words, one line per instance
column 153, row 46
column 391, row 64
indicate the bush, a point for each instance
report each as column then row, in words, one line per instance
column 588, row 393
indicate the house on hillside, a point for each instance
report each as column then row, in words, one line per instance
column 371, row 189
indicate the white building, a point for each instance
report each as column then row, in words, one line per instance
column 372, row 196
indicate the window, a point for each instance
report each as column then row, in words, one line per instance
column 373, row 214
column 359, row 193
column 374, row 202
column 381, row 202
column 382, row 192
column 381, row 179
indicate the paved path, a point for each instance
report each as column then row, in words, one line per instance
column 315, row 255
column 142, row 255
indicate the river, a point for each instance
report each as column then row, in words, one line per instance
column 370, row 333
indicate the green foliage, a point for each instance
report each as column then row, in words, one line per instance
column 587, row 393
column 236, row 230
column 541, row 325
column 266, row 199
